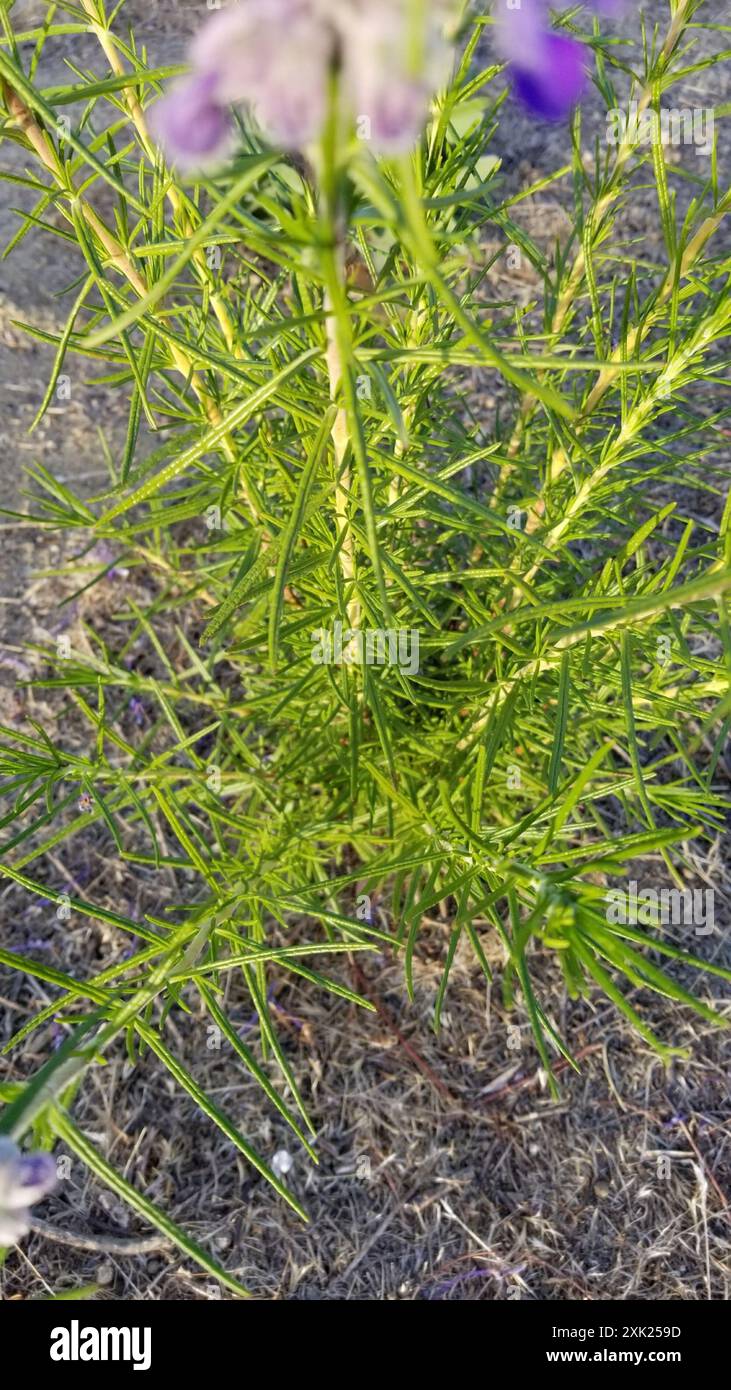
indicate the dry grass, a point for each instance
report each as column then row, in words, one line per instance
column 445, row 1171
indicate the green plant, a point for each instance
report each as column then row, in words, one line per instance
column 302, row 341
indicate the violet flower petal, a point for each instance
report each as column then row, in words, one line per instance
column 291, row 105
column 390, row 74
column 396, row 112
column 272, row 56
column 192, row 126
column 242, row 43
column 24, row 1178
column 552, row 88
column 521, row 32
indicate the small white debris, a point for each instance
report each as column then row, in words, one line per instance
column 282, row 1163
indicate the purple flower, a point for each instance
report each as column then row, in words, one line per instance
column 549, row 69
column 392, row 72
column 24, row 1179
column 276, row 57
column 269, row 55
column 554, row 86
column 192, row 124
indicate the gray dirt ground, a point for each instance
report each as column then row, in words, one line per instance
column 446, row 1171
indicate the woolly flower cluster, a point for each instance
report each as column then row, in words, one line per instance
column 276, row 57
column 24, row 1179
